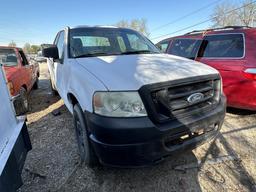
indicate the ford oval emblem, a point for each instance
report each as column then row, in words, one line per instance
column 195, row 97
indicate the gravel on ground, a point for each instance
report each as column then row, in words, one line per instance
column 225, row 164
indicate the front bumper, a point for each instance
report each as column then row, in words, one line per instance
column 132, row 142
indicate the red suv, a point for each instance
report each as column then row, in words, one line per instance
column 231, row 50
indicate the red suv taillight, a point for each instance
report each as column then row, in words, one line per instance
column 250, row 73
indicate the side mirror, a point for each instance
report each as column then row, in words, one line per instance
column 51, row 52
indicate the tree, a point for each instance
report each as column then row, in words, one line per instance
column 136, row 24
column 34, row 49
column 26, row 48
column 247, row 15
column 31, row 49
column 220, row 16
column 12, row 44
column 224, row 16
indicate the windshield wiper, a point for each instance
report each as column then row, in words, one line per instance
column 137, row 52
column 91, row 55
column 122, row 53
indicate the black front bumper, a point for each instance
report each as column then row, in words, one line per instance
column 131, row 142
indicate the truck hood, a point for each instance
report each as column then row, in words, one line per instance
column 130, row 72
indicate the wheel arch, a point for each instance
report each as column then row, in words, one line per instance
column 25, row 87
column 72, row 99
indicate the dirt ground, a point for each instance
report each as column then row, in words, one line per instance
column 226, row 164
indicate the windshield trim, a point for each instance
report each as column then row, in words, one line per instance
column 112, row 54
column 152, row 45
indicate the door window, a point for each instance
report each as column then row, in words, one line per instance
column 185, row 48
column 223, row 46
column 23, row 58
column 8, row 57
column 60, row 44
column 163, row 46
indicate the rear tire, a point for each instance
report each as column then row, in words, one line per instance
column 86, row 151
column 22, row 104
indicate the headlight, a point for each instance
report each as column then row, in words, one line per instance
column 118, row 104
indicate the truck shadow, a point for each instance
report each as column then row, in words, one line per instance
column 234, row 169
column 161, row 177
column 242, row 112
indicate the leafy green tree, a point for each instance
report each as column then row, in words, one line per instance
column 34, row 49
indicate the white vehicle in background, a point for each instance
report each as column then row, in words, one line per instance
column 39, row 58
column 14, row 141
column 132, row 105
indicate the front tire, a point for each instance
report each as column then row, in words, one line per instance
column 86, row 151
column 54, row 91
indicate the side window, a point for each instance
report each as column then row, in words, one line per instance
column 223, row 46
column 163, row 46
column 23, row 58
column 184, row 47
column 136, row 43
column 60, row 44
column 8, row 57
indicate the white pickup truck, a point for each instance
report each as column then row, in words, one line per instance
column 132, row 105
column 14, row 141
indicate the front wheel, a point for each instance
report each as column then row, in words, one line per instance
column 86, row 152
column 53, row 89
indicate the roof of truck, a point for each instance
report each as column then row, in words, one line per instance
column 94, row 26
column 9, row 47
column 98, row 26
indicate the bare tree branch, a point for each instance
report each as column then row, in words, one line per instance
column 246, row 16
column 137, row 24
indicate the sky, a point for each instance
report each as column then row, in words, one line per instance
column 37, row 22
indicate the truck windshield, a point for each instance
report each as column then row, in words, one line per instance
column 8, row 57
column 89, row 42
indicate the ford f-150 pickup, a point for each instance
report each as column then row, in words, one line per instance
column 132, row 106
column 21, row 76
